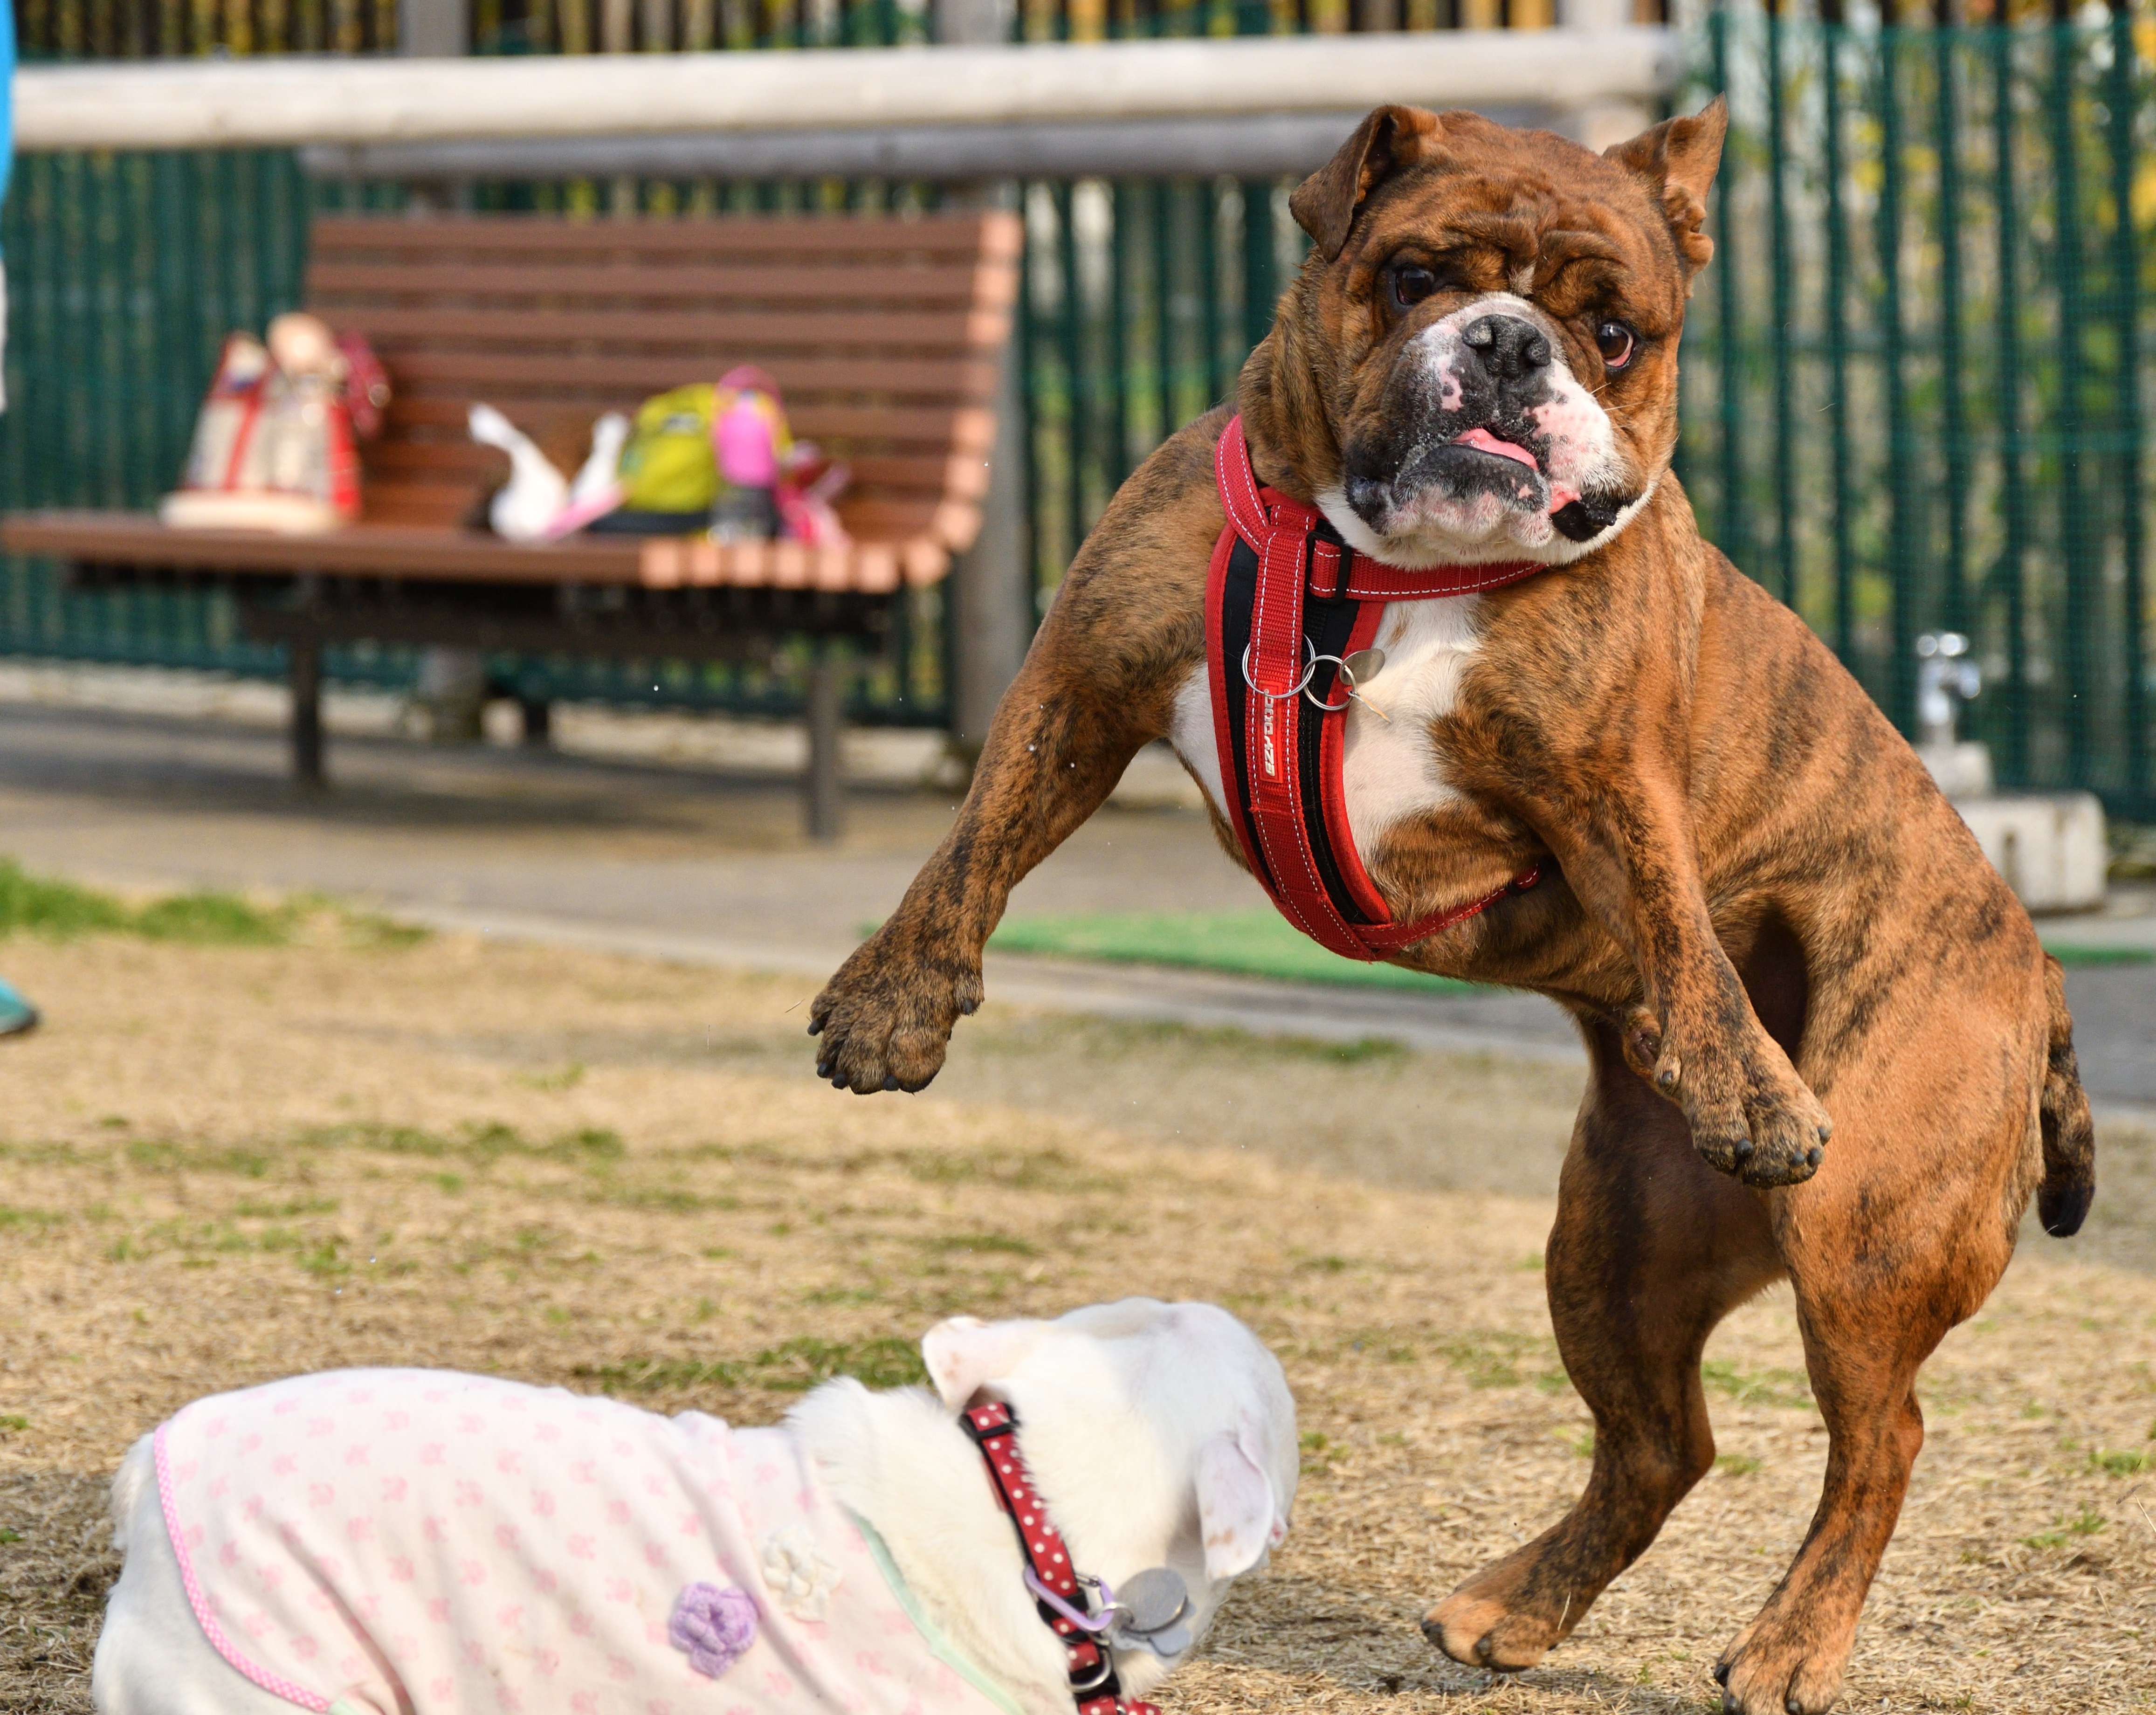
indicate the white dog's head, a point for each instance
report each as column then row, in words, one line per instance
column 1160, row 1435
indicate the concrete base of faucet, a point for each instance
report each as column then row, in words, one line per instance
column 1961, row 770
column 2049, row 846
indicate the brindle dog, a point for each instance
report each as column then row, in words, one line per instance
column 1757, row 906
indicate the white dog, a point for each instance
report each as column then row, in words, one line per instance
column 419, row 1543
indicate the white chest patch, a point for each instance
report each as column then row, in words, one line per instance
column 1390, row 768
column 1190, row 731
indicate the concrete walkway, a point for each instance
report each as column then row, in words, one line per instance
column 684, row 863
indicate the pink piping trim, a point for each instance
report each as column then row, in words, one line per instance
column 275, row 1684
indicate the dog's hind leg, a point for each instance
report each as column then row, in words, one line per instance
column 1789, row 1660
column 1904, row 1236
column 1651, row 1248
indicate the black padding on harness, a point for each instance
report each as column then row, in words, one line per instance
column 1327, row 626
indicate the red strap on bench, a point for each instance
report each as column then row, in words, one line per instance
column 1295, row 561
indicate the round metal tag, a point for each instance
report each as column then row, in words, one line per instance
column 1363, row 665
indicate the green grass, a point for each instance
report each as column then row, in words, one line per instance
column 884, row 1361
column 1260, row 943
column 2071, row 956
column 983, row 1245
column 57, row 909
column 484, row 1142
column 1263, row 943
column 2089, row 1522
column 1785, row 1389
column 1492, row 1359
column 62, row 910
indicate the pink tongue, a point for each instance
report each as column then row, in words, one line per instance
column 1482, row 439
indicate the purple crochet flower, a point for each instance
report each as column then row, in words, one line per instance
column 713, row 1625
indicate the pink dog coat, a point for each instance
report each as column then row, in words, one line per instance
column 421, row 1543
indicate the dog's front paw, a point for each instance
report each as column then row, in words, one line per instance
column 1484, row 1632
column 1778, row 1668
column 885, row 1019
column 1750, row 1114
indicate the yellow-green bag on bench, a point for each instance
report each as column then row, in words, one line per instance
column 668, row 464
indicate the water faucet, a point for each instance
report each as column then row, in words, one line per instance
column 1944, row 673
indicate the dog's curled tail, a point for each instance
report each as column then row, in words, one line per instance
column 2068, row 1182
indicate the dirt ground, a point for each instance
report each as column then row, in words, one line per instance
column 219, row 1166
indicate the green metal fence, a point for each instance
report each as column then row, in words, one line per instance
column 1915, row 377
column 1953, row 441
column 124, row 275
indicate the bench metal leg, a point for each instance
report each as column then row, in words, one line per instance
column 538, row 716
column 304, row 667
column 824, row 794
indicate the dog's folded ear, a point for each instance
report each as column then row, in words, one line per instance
column 1324, row 204
column 1677, row 159
column 965, row 1354
column 1237, row 1517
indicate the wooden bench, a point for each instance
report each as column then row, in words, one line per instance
column 885, row 336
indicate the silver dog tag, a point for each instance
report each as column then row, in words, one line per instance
column 1151, row 1609
column 1363, row 665
column 1168, row 1644
column 1153, row 1601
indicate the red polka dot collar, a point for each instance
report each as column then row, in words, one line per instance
column 1055, row 1583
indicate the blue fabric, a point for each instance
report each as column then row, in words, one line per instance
column 7, row 96
column 17, row 1015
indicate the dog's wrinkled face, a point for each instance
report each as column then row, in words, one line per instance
column 1478, row 363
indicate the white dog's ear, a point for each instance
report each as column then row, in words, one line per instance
column 965, row 1353
column 1235, row 1512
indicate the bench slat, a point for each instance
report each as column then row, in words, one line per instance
column 992, row 233
column 472, row 374
column 405, row 462
column 727, row 334
column 967, row 429
column 777, row 283
column 400, row 551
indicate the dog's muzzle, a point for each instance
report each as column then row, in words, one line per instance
column 1468, row 434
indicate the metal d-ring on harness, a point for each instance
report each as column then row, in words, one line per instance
column 1364, row 663
column 1287, row 597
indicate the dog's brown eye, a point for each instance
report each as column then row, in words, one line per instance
column 1616, row 344
column 1409, row 283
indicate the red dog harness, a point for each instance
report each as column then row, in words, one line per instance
column 1093, row 1683
column 1287, row 602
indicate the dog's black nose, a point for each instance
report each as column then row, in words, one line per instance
column 1510, row 348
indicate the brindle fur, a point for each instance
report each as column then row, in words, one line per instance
column 1756, row 904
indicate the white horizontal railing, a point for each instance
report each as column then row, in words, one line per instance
column 275, row 101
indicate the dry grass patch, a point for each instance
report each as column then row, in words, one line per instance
column 217, row 1166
